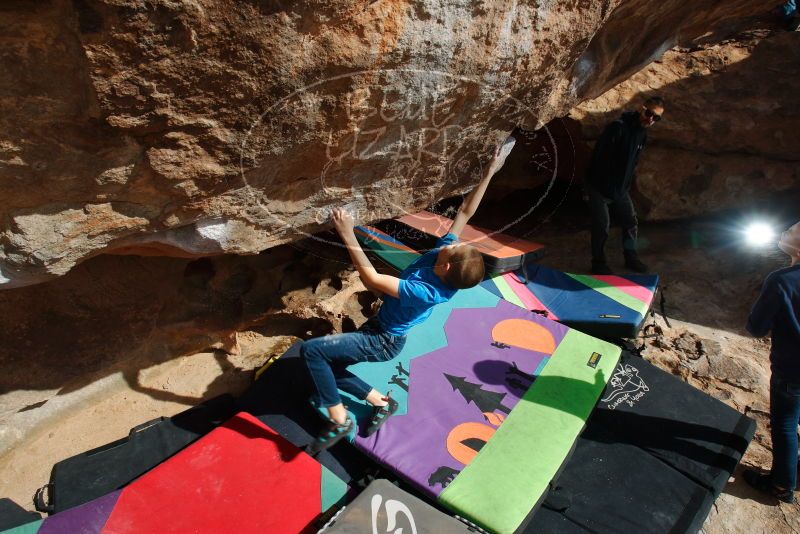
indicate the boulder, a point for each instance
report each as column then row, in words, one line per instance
column 201, row 127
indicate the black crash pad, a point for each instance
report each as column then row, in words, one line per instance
column 13, row 515
column 95, row 473
column 653, row 457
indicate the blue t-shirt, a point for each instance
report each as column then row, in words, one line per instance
column 777, row 310
column 419, row 291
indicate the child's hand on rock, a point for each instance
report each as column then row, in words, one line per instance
column 342, row 220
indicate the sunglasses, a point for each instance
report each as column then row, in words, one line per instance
column 651, row 115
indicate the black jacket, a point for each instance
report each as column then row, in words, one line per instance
column 777, row 310
column 615, row 156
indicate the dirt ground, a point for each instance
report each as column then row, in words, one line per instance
column 710, row 285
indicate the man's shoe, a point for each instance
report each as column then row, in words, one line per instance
column 601, row 267
column 380, row 414
column 633, row 263
column 763, row 482
column 330, row 436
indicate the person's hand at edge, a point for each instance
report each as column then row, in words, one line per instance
column 496, row 162
column 343, row 221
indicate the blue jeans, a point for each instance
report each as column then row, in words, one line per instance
column 327, row 359
column 784, row 414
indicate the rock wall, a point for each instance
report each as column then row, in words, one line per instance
column 729, row 137
column 109, row 320
column 200, row 127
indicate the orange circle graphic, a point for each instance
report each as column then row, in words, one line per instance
column 464, row 432
column 525, row 335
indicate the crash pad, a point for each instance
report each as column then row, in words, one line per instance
column 92, row 474
column 241, row 477
column 279, row 399
column 384, row 507
column 501, row 252
column 385, row 247
column 492, row 398
column 654, row 456
column 606, row 306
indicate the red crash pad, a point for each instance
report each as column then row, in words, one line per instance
column 241, row 477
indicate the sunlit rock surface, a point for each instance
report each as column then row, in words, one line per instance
column 197, row 127
column 730, row 132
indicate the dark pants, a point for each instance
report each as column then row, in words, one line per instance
column 784, row 415
column 599, row 210
column 327, row 359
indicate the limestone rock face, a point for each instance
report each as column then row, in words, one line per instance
column 729, row 137
column 200, row 127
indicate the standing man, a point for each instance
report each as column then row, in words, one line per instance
column 609, row 181
column 777, row 310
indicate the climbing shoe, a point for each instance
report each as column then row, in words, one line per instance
column 763, row 482
column 633, row 263
column 330, row 436
column 380, row 414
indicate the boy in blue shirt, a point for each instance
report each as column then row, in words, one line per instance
column 407, row 300
column 777, row 310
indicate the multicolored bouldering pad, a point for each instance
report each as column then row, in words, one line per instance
column 605, row 306
column 383, row 507
column 501, row 252
column 492, row 398
column 241, row 477
column 654, row 456
column 388, row 249
column 279, row 399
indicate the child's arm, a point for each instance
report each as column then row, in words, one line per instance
column 473, row 200
column 386, row 284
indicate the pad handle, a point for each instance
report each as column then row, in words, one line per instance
column 41, row 499
column 145, row 426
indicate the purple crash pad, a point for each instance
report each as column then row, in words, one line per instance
column 89, row 518
column 459, row 394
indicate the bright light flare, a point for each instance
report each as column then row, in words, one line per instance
column 758, row 234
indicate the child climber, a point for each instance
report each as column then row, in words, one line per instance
column 408, row 300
